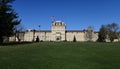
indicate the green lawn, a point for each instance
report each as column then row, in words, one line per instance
column 60, row 55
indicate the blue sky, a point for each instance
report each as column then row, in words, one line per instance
column 77, row 14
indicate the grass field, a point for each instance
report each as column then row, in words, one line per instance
column 60, row 55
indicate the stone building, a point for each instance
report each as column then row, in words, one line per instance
column 58, row 32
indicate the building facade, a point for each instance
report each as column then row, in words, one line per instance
column 58, row 32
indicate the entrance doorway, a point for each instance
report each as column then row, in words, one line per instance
column 58, row 38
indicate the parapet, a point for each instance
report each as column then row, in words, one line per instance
column 58, row 23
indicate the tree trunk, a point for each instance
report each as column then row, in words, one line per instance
column 111, row 39
column 1, row 40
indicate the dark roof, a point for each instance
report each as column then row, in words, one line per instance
column 96, row 32
column 74, row 30
column 65, row 31
column 44, row 31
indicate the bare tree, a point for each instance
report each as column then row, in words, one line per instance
column 19, row 32
column 118, row 36
column 89, row 33
column 113, row 31
column 109, row 31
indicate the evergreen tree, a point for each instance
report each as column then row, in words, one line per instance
column 102, row 34
column 74, row 39
column 8, row 19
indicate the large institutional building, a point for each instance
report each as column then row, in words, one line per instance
column 58, row 32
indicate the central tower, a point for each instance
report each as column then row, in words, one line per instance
column 58, row 31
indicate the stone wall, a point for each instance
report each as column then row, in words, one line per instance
column 58, row 32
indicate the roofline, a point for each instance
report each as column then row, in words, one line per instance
column 74, row 30
column 51, row 31
column 43, row 31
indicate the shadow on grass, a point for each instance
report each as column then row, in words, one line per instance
column 14, row 43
